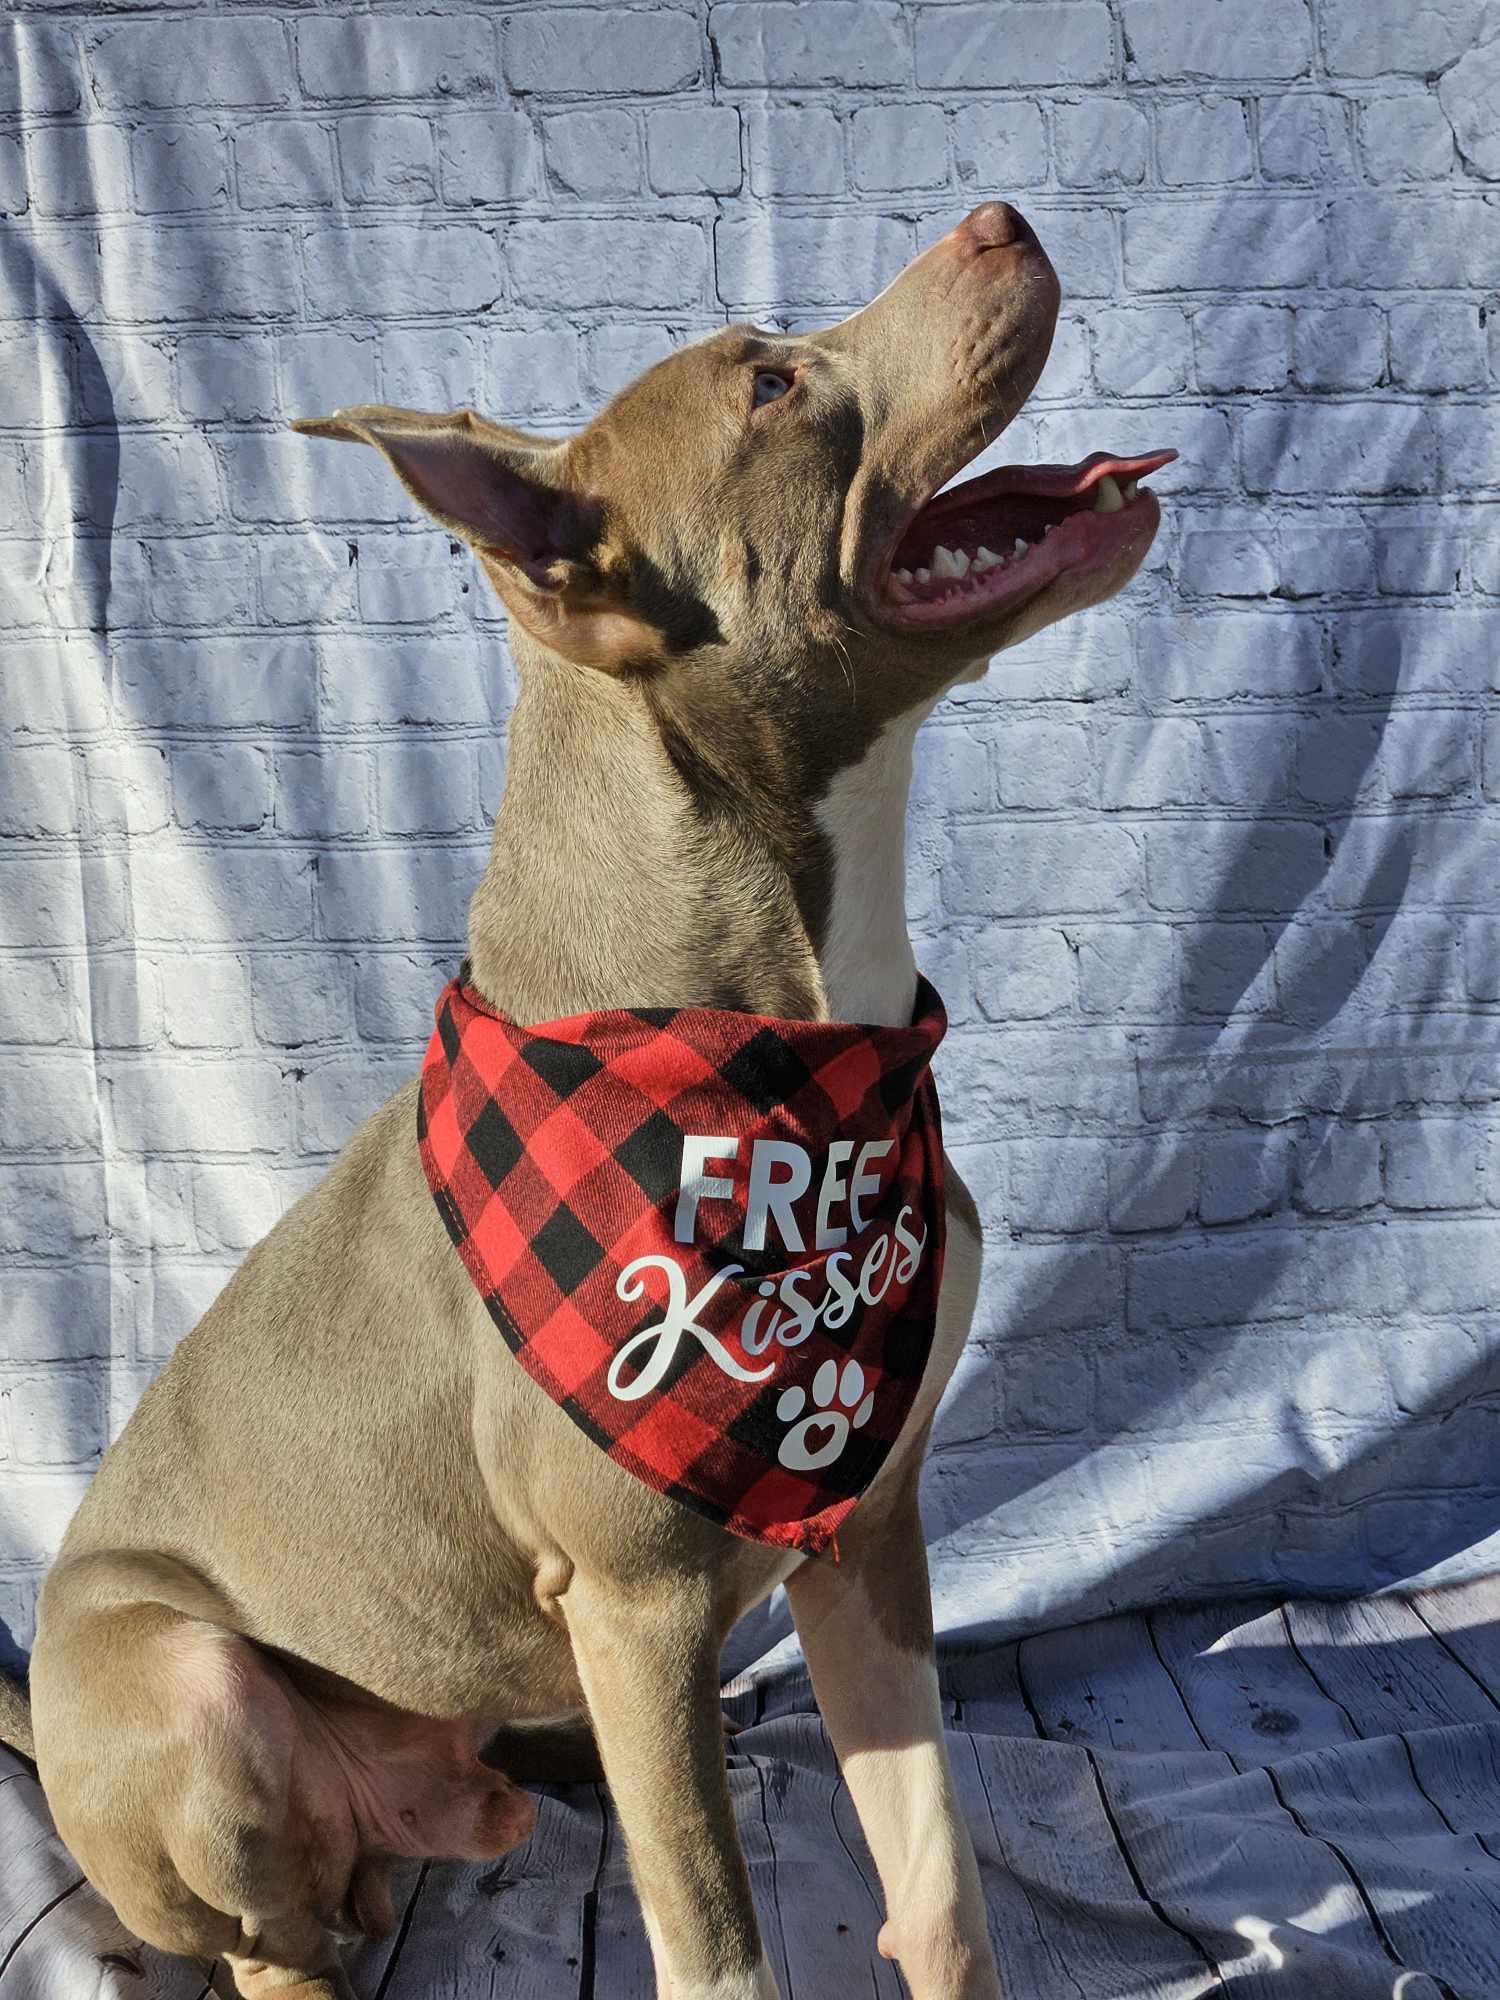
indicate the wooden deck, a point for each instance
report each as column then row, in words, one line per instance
column 1300, row 1802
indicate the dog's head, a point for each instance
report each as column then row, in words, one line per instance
column 756, row 514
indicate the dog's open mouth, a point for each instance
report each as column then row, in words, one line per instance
column 1008, row 533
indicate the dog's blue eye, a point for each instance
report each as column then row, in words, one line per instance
column 768, row 386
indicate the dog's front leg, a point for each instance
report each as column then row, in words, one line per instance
column 866, row 1629
column 648, row 1659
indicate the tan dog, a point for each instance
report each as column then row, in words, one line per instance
column 345, row 1538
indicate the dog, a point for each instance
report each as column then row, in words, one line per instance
column 346, row 1543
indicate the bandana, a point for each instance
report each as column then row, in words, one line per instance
column 714, row 1239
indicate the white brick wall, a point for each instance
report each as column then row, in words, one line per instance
column 1208, row 878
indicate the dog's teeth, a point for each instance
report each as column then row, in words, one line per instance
column 1048, row 529
column 1110, row 499
column 949, row 562
column 903, row 576
column 1128, row 491
column 1021, row 547
column 985, row 559
column 922, row 576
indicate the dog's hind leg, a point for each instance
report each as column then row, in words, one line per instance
column 648, row 1658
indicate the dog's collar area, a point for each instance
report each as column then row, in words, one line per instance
column 713, row 1238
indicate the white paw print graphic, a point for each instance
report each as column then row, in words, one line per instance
column 818, row 1438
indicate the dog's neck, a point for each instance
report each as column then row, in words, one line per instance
column 610, row 885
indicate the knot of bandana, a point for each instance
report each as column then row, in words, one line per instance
column 714, row 1239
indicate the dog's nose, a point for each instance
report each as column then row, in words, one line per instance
column 994, row 224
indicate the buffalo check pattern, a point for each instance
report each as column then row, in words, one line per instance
column 555, row 1156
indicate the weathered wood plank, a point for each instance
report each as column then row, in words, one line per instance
column 1424, row 1890
column 1381, row 1663
column 1052, row 1867
column 1465, row 1617
column 81, row 1951
column 1224, row 1860
column 1377, row 1659
column 1102, row 1684
column 982, row 1692
column 512, row 1930
column 38, row 1868
column 621, row 1954
column 813, row 1878
column 1242, row 1683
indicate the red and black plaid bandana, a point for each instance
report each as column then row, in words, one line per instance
column 714, row 1239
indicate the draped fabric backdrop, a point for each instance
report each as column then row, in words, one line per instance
column 1207, row 877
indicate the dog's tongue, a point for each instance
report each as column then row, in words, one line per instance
column 1066, row 482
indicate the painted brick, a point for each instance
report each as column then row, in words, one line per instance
column 205, row 1000
column 1436, row 345
column 566, row 263
column 1405, row 139
column 387, row 158
column 1428, row 244
column 312, row 1007
column 1152, row 1184
column 837, row 42
column 1126, row 970
column 1364, row 38
column 225, row 789
column 1142, row 351
column 1022, row 975
column 795, row 151
column 1000, row 144
column 1338, row 1169
column 39, row 791
column 220, row 897
column 1317, row 448
column 339, row 1095
column 593, row 152
column 1038, row 41
column 1101, row 142
column 572, row 49
column 1045, row 765
column 179, row 167
column 1219, row 39
column 1467, row 96
column 284, row 163
column 1241, row 348
column 1228, row 971
column 322, row 793
column 38, row 69
column 1243, row 1175
column 822, row 261
column 1435, row 1163
column 1339, row 347
column 156, row 65
column 694, row 149
column 488, row 156
column 1304, row 137
column 1038, row 870
column 1212, row 244
column 1204, row 140
column 393, row 269
column 1248, row 654
column 78, row 169
column 900, row 146
column 367, row 56
column 230, row 1107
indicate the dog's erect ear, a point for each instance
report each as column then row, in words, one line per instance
column 475, row 478
column 535, row 535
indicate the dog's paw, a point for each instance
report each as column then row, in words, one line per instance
column 841, row 1407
